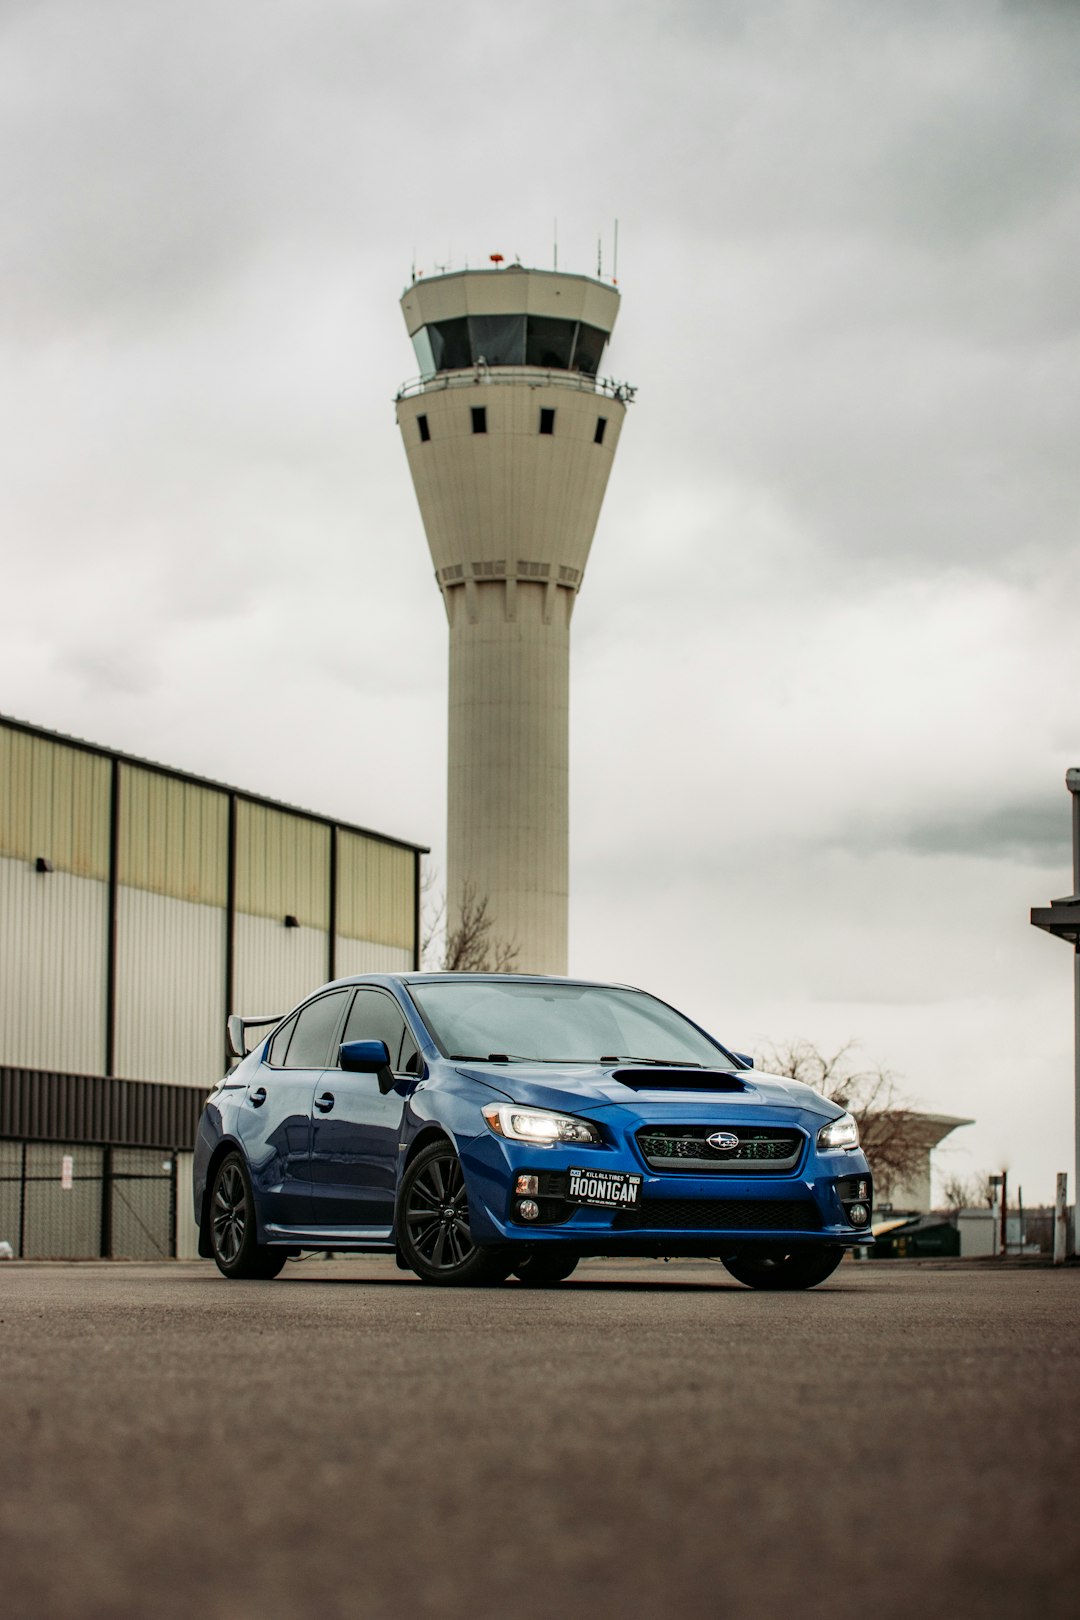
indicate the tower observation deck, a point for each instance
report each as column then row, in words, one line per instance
column 510, row 435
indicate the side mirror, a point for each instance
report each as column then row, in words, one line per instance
column 368, row 1057
column 744, row 1057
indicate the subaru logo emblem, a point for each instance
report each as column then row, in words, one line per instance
column 722, row 1139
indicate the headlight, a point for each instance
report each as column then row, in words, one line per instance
column 538, row 1125
column 838, row 1133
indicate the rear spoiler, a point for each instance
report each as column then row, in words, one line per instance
column 236, row 1032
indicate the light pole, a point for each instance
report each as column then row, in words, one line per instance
column 1062, row 918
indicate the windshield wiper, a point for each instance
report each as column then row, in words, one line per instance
column 663, row 1063
column 517, row 1057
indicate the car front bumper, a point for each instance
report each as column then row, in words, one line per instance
column 678, row 1213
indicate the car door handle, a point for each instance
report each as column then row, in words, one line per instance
column 325, row 1102
column 257, row 1098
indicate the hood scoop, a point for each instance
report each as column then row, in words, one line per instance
column 678, row 1080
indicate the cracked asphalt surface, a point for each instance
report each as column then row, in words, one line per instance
column 646, row 1440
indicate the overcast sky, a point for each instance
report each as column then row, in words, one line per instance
column 825, row 670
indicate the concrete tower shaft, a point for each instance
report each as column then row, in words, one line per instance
column 510, row 439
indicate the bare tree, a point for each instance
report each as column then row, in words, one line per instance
column 967, row 1192
column 468, row 944
column 893, row 1135
column 472, row 946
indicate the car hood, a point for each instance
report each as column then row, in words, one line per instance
column 587, row 1089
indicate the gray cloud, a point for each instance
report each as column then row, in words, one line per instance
column 825, row 648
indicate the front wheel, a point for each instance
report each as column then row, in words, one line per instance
column 236, row 1252
column 433, row 1225
column 789, row 1269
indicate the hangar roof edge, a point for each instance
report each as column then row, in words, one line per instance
column 43, row 732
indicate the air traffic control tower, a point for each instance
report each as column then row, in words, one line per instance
column 510, row 435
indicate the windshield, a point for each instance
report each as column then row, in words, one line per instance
column 559, row 1023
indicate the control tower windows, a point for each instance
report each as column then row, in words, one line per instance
column 479, row 418
column 509, row 340
column 601, row 428
column 450, row 345
column 499, row 340
column 588, row 349
column 549, row 343
column 424, row 357
column 547, row 419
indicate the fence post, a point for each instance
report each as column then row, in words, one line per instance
column 22, row 1205
column 106, row 1203
column 172, row 1207
column 1061, row 1220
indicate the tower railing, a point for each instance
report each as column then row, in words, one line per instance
column 536, row 376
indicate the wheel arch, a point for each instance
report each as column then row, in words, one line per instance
column 227, row 1145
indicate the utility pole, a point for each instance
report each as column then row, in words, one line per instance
column 1062, row 919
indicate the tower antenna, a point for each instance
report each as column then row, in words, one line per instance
column 599, row 258
column 555, row 241
column 615, row 258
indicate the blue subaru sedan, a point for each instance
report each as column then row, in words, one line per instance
column 479, row 1126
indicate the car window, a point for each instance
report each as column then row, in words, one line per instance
column 280, row 1043
column 560, row 1022
column 375, row 1016
column 316, row 1025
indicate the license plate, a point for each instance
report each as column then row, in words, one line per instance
column 604, row 1189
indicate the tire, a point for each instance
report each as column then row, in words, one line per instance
column 794, row 1268
column 544, row 1268
column 232, row 1226
column 433, row 1225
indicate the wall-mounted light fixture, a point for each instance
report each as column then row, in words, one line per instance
column 291, row 921
column 42, row 865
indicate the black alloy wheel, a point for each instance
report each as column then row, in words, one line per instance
column 788, row 1269
column 433, row 1225
column 232, row 1225
column 544, row 1268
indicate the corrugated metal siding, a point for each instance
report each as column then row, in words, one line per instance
column 79, row 1107
column 376, row 892
column 276, row 966
column 53, row 929
column 282, row 865
column 170, row 989
column 363, row 956
column 173, row 837
column 54, row 801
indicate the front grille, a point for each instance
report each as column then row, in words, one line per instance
column 721, row 1215
column 770, row 1149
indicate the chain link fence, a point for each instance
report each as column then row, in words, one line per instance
column 68, row 1201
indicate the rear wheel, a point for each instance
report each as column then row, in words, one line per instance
column 543, row 1268
column 233, row 1234
column 433, row 1225
column 778, row 1268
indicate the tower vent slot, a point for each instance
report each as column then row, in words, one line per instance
column 547, row 419
column 533, row 570
column 569, row 576
column 490, row 570
column 601, row 429
column 479, row 418
column 425, row 431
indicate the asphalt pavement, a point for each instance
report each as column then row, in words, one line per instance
column 647, row 1440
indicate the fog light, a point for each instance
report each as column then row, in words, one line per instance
column 528, row 1209
column 527, row 1184
column 858, row 1214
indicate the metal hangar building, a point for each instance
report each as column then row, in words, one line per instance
column 139, row 905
